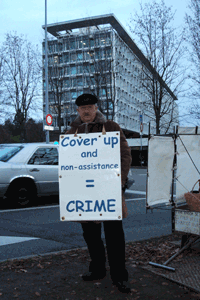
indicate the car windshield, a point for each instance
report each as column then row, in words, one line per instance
column 7, row 152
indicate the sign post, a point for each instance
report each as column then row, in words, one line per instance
column 90, row 177
column 49, row 121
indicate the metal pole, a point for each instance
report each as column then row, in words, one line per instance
column 175, row 255
column 149, row 135
column 173, row 182
column 46, row 73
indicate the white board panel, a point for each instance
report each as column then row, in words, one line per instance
column 186, row 172
column 90, row 177
column 187, row 221
column 186, row 130
column 160, row 163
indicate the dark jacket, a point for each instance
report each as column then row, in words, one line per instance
column 97, row 126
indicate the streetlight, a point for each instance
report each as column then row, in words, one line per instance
column 46, row 72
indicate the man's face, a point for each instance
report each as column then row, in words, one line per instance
column 87, row 112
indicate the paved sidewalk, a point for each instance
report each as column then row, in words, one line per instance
column 58, row 276
column 187, row 269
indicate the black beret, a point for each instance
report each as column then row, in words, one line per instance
column 86, row 99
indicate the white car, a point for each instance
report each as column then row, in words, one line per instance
column 27, row 171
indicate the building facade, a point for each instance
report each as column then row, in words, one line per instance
column 96, row 55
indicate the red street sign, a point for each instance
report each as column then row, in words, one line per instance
column 49, row 119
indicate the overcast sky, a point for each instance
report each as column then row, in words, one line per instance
column 28, row 16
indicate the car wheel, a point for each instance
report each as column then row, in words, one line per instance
column 22, row 193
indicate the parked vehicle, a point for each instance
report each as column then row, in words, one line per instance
column 27, row 171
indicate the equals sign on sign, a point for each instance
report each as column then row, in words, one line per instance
column 89, row 181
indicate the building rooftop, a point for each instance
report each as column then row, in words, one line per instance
column 57, row 30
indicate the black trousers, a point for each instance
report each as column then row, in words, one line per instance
column 115, row 243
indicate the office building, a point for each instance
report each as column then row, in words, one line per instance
column 97, row 55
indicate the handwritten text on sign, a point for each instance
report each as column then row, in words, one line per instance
column 90, row 177
column 187, row 221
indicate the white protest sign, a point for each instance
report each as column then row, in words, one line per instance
column 90, row 177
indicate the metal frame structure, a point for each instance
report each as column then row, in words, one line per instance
column 186, row 241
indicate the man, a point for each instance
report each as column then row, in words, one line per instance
column 91, row 120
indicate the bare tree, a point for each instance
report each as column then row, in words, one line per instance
column 98, row 70
column 1, row 83
column 56, row 87
column 193, row 26
column 21, row 80
column 153, row 31
column 59, row 83
column 102, row 66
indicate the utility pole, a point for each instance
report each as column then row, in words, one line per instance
column 46, row 73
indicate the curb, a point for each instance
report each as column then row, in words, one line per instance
column 42, row 255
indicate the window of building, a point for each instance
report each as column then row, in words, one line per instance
column 62, row 96
column 108, row 104
column 103, row 92
column 102, row 41
column 50, row 46
column 85, row 43
column 91, row 54
column 79, row 81
column 68, row 109
column 79, row 69
column 50, row 60
column 73, row 82
column 55, row 47
column 108, row 53
column 73, row 95
column 60, row 47
column 108, row 40
column 72, row 57
column 50, row 85
column 56, row 59
column 61, row 72
column 92, row 80
column 67, row 96
column 51, row 109
column 79, row 43
column 51, row 97
column 97, row 54
column 97, row 42
column 73, row 70
column 67, row 83
column 108, row 79
column 92, row 68
column 61, row 59
column 91, row 42
column 66, row 70
column 103, row 53
column 86, row 90
column 80, row 92
column 65, row 57
column 66, row 45
column 86, row 69
column 52, row 72
column 72, row 44
column 79, row 56
column 87, row 55
column 86, row 81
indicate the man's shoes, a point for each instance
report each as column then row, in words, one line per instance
column 123, row 286
column 90, row 276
